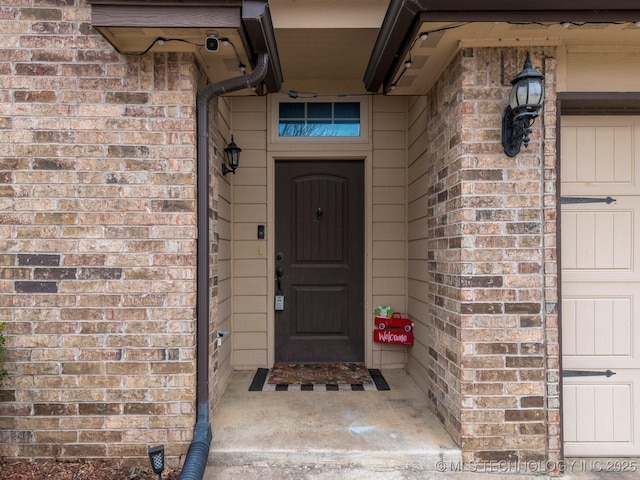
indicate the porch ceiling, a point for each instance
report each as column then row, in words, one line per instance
column 324, row 45
column 330, row 46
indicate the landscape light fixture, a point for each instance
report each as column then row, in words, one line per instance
column 156, row 456
column 525, row 102
column 232, row 154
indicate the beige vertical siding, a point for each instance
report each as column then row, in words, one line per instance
column 589, row 68
column 389, row 237
column 249, row 268
column 220, row 260
column 417, row 227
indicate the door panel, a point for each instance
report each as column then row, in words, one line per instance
column 601, row 286
column 599, row 155
column 600, row 415
column 599, row 326
column 319, row 217
column 598, row 241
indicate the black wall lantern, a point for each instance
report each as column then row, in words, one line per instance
column 525, row 102
column 232, row 154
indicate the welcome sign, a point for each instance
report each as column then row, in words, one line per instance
column 397, row 337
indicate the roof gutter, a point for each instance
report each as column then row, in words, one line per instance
column 398, row 21
column 404, row 19
column 196, row 460
column 256, row 20
column 257, row 24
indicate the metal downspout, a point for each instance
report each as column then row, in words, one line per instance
column 196, row 460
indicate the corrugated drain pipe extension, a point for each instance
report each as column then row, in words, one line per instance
column 196, row 461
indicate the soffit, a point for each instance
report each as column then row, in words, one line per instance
column 136, row 27
column 324, row 45
column 325, row 61
column 489, row 23
column 218, row 65
column 430, row 57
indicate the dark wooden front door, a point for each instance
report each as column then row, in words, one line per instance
column 319, row 234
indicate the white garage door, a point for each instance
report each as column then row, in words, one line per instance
column 601, row 285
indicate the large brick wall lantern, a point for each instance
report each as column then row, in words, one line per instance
column 525, row 102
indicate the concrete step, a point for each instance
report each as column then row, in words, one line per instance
column 314, row 459
column 267, row 471
column 318, row 472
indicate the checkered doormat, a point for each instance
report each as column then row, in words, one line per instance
column 318, row 377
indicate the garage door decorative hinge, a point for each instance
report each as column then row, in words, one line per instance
column 568, row 200
column 587, row 373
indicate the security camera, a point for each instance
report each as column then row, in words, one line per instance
column 211, row 43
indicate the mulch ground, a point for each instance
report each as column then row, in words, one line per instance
column 80, row 470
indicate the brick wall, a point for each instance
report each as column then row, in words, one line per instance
column 97, row 164
column 434, row 250
column 482, row 251
column 551, row 320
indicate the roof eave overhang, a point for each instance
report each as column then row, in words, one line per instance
column 404, row 19
column 251, row 18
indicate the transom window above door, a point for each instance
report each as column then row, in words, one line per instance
column 320, row 120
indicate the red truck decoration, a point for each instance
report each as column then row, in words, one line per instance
column 394, row 329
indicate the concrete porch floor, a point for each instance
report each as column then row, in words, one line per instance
column 385, row 431
column 349, row 436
